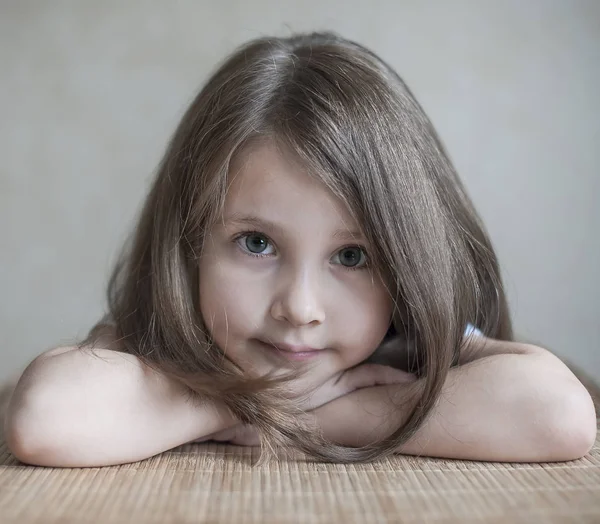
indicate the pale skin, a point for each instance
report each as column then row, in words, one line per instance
column 507, row 401
column 287, row 264
column 511, row 402
column 295, row 291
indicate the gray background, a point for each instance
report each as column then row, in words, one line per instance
column 91, row 92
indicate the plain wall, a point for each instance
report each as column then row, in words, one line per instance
column 91, row 92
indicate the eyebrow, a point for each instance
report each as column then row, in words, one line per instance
column 269, row 226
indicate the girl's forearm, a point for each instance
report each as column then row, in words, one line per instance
column 523, row 406
column 75, row 409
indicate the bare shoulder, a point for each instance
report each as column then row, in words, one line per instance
column 102, row 335
column 56, row 351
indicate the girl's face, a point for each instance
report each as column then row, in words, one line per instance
column 286, row 271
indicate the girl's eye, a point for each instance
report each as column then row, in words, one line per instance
column 353, row 257
column 255, row 244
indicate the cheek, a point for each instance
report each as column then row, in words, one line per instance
column 370, row 316
column 377, row 320
column 227, row 301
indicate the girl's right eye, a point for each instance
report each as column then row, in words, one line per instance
column 253, row 243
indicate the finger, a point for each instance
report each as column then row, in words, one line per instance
column 396, row 376
column 361, row 376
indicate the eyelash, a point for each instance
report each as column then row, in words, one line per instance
column 258, row 255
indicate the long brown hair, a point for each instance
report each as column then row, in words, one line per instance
column 355, row 126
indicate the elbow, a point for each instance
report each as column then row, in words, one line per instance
column 27, row 422
column 19, row 447
column 16, row 418
column 38, row 439
column 571, row 430
column 24, row 439
column 34, row 428
column 17, row 442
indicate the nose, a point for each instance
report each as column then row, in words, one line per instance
column 298, row 302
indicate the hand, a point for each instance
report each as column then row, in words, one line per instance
column 349, row 380
column 340, row 384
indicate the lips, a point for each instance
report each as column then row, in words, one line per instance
column 291, row 348
column 293, row 351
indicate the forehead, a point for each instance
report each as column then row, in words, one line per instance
column 265, row 180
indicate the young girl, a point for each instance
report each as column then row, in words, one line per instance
column 302, row 274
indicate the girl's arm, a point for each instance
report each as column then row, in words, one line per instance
column 74, row 409
column 507, row 402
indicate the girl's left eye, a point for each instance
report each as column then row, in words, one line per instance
column 355, row 256
column 255, row 244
